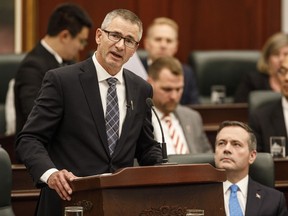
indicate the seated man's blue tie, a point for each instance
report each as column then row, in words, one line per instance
column 234, row 206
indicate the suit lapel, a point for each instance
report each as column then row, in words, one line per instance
column 187, row 129
column 254, row 198
column 131, row 93
column 89, row 82
column 277, row 119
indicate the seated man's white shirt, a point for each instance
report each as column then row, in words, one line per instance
column 241, row 194
column 285, row 111
column 168, row 140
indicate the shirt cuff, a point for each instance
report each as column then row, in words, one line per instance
column 44, row 178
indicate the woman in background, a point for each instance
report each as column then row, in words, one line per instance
column 273, row 53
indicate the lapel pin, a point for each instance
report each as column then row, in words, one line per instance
column 258, row 196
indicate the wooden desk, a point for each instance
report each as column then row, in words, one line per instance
column 213, row 114
column 25, row 195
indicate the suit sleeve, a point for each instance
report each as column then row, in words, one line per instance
column 33, row 141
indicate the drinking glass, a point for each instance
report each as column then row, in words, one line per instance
column 278, row 146
column 73, row 211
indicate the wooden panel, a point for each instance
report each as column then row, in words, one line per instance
column 204, row 24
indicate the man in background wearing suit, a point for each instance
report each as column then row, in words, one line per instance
column 67, row 34
column 272, row 119
column 235, row 150
column 90, row 117
column 182, row 126
column 162, row 40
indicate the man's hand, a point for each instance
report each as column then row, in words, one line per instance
column 59, row 181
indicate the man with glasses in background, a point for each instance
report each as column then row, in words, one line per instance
column 91, row 117
column 67, row 34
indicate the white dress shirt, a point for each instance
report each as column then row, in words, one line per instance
column 168, row 140
column 285, row 112
column 241, row 194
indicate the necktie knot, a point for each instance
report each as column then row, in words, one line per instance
column 111, row 81
column 234, row 188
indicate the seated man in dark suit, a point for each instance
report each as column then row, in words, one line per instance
column 162, row 40
column 272, row 119
column 67, row 34
column 235, row 150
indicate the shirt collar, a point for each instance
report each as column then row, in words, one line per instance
column 103, row 75
column 52, row 51
column 284, row 103
column 242, row 184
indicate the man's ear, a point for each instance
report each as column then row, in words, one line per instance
column 64, row 35
column 252, row 156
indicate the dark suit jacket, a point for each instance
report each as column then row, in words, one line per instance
column 264, row 201
column 66, row 129
column 268, row 121
column 28, row 81
column 190, row 92
column 251, row 81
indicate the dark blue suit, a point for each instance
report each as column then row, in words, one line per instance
column 264, row 201
column 190, row 92
column 268, row 121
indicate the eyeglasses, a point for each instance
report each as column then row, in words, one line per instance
column 116, row 37
column 283, row 71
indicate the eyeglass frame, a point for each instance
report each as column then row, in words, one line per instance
column 282, row 71
column 120, row 38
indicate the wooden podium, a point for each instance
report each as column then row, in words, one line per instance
column 151, row 190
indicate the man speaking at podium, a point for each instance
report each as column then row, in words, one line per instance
column 91, row 117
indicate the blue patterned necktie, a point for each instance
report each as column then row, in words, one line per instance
column 234, row 207
column 112, row 115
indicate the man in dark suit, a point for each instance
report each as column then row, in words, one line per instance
column 67, row 33
column 67, row 133
column 235, row 150
column 162, row 40
column 271, row 119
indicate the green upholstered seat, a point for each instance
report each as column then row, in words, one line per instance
column 5, row 184
column 260, row 98
column 262, row 170
column 9, row 64
column 221, row 67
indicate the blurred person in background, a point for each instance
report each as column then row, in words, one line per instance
column 67, row 34
column 162, row 40
column 266, row 78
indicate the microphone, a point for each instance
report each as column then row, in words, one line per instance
column 150, row 104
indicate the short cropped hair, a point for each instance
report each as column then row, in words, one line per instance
column 170, row 63
column 163, row 21
column 68, row 17
column 126, row 15
column 272, row 45
column 252, row 142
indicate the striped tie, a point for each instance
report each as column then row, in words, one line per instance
column 112, row 115
column 178, row 144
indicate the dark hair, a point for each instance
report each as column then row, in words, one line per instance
column 70, row 17
column 170, row 63
column 252, row 142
